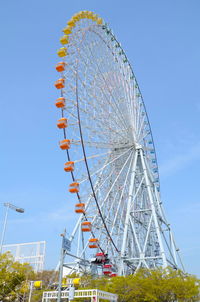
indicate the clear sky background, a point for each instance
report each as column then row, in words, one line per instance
column 162, row 41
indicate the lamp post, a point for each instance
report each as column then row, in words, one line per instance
column 13, row 207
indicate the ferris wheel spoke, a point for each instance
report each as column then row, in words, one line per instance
column 144, row 135
column 81, row 216
column 92, row 157
column 139, row 118
column 121, row 197
column 103, row 135
column 71, row 115
column 109, row 161
column 119, row 134
column 101, row 122
column 118, row 112
column 99, row 183
column 108, row 211
column 140, row 127
column 103, row 202
column 104, row 96
column 105, row 179
column 135, row 107
column 128, row 91
column 99, row 186
column 113, row 184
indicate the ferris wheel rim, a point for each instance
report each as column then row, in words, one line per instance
column 120, row 195
column 83, row 147
column 83, row 144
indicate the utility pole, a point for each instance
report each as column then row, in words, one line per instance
column 31, row 289
column 62, row 256
column 12, row 207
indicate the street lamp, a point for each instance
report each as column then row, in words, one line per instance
column 13, row 207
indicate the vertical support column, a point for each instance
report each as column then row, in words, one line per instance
column 148, row 184
column 62, row 255
column 173, row 248
column 31, row 289
column 43, row 255
column 127, row 219
column 38, row 257
column 79, row 239
column 17, row 253
column 172, row 243
column 4, row 229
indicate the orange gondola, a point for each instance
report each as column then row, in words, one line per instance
column 60, row 83
column 65, row 144
column 60, row 66
column 74, row 187
column 86, row 226
column 62, row 123
column 60, row 102
column 93, row 243
column 69, row 166
column 80, row 208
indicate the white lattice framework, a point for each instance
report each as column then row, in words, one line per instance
column 30, row 252
column 115, row 161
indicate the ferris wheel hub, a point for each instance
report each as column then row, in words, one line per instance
column 138, row 146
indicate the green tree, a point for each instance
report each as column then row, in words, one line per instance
column 48, row 278
column 163, row 285
column 13, row 276
column 158, row 285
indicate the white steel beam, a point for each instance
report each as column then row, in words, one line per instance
column 155, row 218
column 127, row 219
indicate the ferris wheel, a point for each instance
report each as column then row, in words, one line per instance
column 110, row 155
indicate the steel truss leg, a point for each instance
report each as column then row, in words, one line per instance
column 155, row 218
column 127, row 219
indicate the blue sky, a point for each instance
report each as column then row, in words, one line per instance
column 161, row 40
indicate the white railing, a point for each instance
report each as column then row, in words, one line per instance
column 86, row 293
